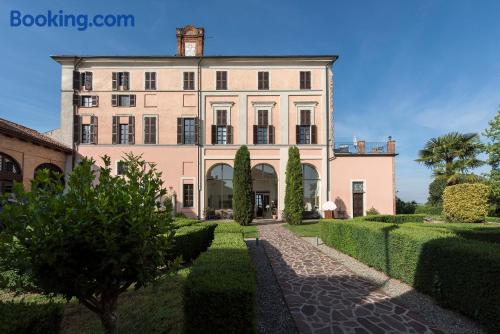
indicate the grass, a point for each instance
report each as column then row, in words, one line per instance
column 309, row 229
column 250, row 231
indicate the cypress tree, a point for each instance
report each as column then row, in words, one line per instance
column 242, row 187
column 294, row 195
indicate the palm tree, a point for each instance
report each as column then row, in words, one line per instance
column 453, row 156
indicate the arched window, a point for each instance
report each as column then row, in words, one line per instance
column 220, row 187
column 263, row 172
column 55, row 172
column 9, row 172
column 311, row 187
column 265, row 188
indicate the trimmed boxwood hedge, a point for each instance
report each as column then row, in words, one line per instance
column 228, row 227
column 416, row 218
column 30, row 318
column 466, row 202
column 459, row 273
column 220, row 289
column 181, row 222
column 190, row 241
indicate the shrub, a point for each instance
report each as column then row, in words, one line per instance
column 372, row 212
column 403, row 207
column 181, row 222
column 436, row 189
column 294, row 193
column 220, row 289
column 18, row 317
column 459, row 273
column 96, row 239
column 242, row 187
column 428, row 209
column 396, row 218
column 190, row 241
column 228, row 227
column 466, row 203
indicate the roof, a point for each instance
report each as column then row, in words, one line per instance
column 331, row 58
column 16, row 130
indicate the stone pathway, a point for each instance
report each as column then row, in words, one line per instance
column 324, row 296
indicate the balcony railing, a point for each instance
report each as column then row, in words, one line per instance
column 362, row 147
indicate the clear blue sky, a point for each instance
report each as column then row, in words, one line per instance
column 410, row 69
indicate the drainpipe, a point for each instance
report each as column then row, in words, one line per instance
column 327, row 91
column 200, row 131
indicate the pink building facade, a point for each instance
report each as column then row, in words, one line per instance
column 190, row 113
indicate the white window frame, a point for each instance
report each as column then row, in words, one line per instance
column 144, row 128
column 263, row 106
column 221, row 106
column 306, row 106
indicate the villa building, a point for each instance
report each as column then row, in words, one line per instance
column 189, row 113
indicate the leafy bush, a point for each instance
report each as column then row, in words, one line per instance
column 436, row 189
column 428, row 209
column 396, row 218
column 190, row 241
column 466, row 203
column 17, row 317
column 372, row 212
column 180, row 215
column 406, row 208
column 228, row 227
column 459, row 273
column 181, row 222
column 242, row 187
column 220, row 289
column 294, row 193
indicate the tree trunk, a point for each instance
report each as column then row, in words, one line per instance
column 109, row 318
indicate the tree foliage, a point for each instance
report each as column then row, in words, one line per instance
column 242, row 187
column 403, row 207
column 453, row 156
column 294, row 194
column 436, row 189
column 492, row 148
column 96, row 239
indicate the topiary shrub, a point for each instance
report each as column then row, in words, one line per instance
column 396, row 218
column 29, row 317
column 466, row 202
column 242, row 187
column 294, row 193
column 372, row 212
column 229, row 227
column 428, row 209
column 181, row 222
column 190, row 241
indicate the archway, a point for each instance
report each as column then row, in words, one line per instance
column 310, row 180
column 265, row 189
column 9, row 172
column 220, row 187
column 55, row 173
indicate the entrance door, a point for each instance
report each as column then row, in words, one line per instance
column 261, row 203
column 357, row 199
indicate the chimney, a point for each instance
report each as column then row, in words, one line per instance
column 391, row 145
column 190, row 41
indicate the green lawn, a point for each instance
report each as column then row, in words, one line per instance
column 250, row 231
column 307, row 229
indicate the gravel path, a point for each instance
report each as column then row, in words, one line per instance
column 325, row 296
column 404, row 294
column 273, row 315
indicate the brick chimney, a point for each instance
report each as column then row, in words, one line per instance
column 391, row 145
column 190, row 41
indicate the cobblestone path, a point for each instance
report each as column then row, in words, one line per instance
column 324, row 296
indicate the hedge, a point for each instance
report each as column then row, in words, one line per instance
column 229, row 227
column 190, row 241
column 30, row 318
column 220, row 289
column 458, row 273
column 181, row 222
column 428, row 209
column 466, row 203
column 416, row 218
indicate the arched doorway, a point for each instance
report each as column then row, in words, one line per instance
column 220, row 187
column 310, row 179
column 9, row 172
column 265, row 189
column 55, row 173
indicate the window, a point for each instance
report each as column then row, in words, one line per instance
column 221, row 116
column 10, row 172
column 305, row 117
column 123, row 100
column 123, row 135
column 221, row 82
column 262, row 117
column 87, row 101
column 357, row 187
column 121, row 80
column 149, row 129
column 150, row 81
column 263, row 80
column 305, row 127
column 220, row 187
column 82, row 79
column 262, row 135
column 188, row 80
column 120, row 167
column 187, row 195
column 310, row 181
column 189, row 131
column 221, row 122
column 305, row 80
column 86, row 133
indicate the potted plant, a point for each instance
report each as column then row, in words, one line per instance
column 274, row 210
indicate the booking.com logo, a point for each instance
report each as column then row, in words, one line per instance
column 61, row 20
